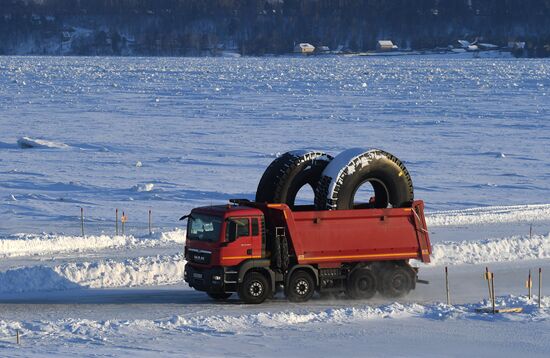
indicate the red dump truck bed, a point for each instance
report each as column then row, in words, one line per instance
column 325, row 237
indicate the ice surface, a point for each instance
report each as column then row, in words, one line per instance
column 447, row 119
column 169, row 134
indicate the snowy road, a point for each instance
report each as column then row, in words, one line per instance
column 120, row 320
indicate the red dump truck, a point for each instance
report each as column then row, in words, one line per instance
column 255, row 249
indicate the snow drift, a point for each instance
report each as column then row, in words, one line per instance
column 139, row 271
column 100, row 332
column 27, row 142
column 489, row 215
column 44, row 244
column 513, row 248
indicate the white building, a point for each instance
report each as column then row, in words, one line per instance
column 385, row 45
column 304, row 48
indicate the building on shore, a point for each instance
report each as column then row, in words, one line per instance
column 304, row 48
column 385, row 45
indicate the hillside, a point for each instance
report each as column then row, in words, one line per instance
column 256, row 27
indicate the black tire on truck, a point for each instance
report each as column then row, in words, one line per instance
column 255, row 288
column 345, row 174
column 301, row 286
column 396, row 281
column 287, row 174
column 361, row 284
column 219, row 295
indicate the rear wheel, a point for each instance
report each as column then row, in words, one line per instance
column 300, row 286
column 361, row 284
column 219, row 296
column 396, row 282
column 255, row 288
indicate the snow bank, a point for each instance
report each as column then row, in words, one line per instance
column 44, row 244
column 513, row 248
column 489, row 214
column 37, row 278
column 27, row 142
column 102, row 332
column 140, row 271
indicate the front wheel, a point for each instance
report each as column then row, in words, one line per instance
column 300, row 287
column 254, row 289
column 219, row 296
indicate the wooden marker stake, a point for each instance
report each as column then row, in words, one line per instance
column 493, row 290
column 540, row 284
column 123, row 219
column 82, row 220
column 529, row 285
column 447, row 286
column 116, row 222
column 150, row 231
column 17, row 337
column 488, row 278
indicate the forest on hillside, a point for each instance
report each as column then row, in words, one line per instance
column 256, row 27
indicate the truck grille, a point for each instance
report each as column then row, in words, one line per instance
column 199, row 256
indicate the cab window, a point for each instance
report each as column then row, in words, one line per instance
column 255, row 227
column 237, row 227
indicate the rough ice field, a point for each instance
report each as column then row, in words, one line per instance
column 173, row 133
column 169, row 134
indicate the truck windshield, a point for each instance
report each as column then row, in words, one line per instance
column 204, row 227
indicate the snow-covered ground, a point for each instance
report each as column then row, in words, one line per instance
column 168, row 134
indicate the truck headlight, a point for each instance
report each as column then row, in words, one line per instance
column 216, row 278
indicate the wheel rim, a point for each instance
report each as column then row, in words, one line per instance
column 364, row 285
column 302, row 287
column 256, row 289
column 398, row 282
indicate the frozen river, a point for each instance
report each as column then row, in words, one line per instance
column 169, row 134
column 473, row 132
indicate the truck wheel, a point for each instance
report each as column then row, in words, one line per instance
column 396, row 282
column 287, row 174
column 362, row 284
column 255, row 288
column 219, row 296
column 343, row 176
column 300, row 287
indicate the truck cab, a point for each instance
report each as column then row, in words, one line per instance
column 219, row 239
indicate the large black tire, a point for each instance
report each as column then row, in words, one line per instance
column 255, row 288
column 352, row 168
column 301, row 286
column 362, row 284
column 219, row 296
column 287, row 174
column 396, row 281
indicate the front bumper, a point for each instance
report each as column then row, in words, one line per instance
column 215, row 279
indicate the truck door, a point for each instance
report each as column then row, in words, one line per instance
column 238, row 242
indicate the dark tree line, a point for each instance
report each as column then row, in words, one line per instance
column 178, row 27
